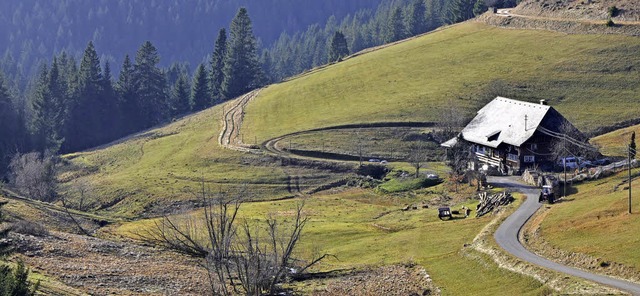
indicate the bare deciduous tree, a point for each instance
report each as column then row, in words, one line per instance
column 359, row 145
column 570, row 142
column 452, row 120
column 250, row 259
column 34, row 175
column 418, row 156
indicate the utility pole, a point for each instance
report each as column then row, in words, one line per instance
column 564, row 165
column 629, row 173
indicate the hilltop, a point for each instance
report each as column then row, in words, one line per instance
column 573, row 17
column 629, row 10
column 464, row 65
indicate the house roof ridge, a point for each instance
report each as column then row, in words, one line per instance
column 523, row 103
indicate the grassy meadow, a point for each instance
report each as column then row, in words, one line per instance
column 362, row 228
column 159, row 170
column 591, row 79
column 595, row 220
column 381, row 143
column 615, row 143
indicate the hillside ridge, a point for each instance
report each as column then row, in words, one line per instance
column 629, row 10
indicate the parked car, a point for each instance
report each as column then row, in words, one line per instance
column 574, row 162
column 602, row 161
column 374, row 160
column 433, row 176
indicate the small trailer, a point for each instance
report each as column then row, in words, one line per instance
column 547, row 194
column 444, row 213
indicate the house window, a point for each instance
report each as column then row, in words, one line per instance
column 529, row 158
column 481, row 150
column 512, row 157
column 533, row 147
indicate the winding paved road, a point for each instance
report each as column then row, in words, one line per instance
column 507, row 238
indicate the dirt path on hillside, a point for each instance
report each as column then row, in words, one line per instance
column 506, row 12
column 504, row 18
column 232, row 117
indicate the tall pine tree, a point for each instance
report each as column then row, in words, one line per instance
column 200, row 90
column 149, row 83
column 338, row 48
column 217, row 65
column 479, row 8
column 181, row 96
column 49, row 111
column 459, row 11
column 127, row 103
column 110, row 112
column 85, row 126
column 415, row 18
column 9, row 133
column 395, row 26
column 242, row 72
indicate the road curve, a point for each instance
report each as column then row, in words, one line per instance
column 507, row 237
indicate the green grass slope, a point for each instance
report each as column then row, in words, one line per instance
column 595, row 220
column 591, row 79
column 352, row 226
column 159, row 171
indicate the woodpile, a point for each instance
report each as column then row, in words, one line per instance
column 488, row 203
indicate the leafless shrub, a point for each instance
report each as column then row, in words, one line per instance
column 29, row 228
column 246, row 258
column 34, row 175
column 418, row 157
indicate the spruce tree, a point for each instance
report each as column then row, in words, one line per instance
column 395, row 26
column 87, row 109
column 13, row 281
column 217, row 65
column 267, row 65
column 9, row 123
column 338, row 48
column 434, row 14
column 149, row 84
column 200, row 90
column 241, row 70
column 128, row 107
column 109, row 102
column 459, row 11
column 181, row 96
column 479, row 8
column 49, row 111
column 415, row 19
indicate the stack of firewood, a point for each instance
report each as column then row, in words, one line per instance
column 488, row 203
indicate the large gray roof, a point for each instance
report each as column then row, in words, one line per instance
column 503, row 121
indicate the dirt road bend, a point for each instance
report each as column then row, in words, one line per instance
column 507, row 237
column 232, row 120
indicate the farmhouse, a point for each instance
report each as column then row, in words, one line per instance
column 513, row 135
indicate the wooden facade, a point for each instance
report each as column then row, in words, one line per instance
column 511, row 159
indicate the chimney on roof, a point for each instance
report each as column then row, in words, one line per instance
column 543, row 102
